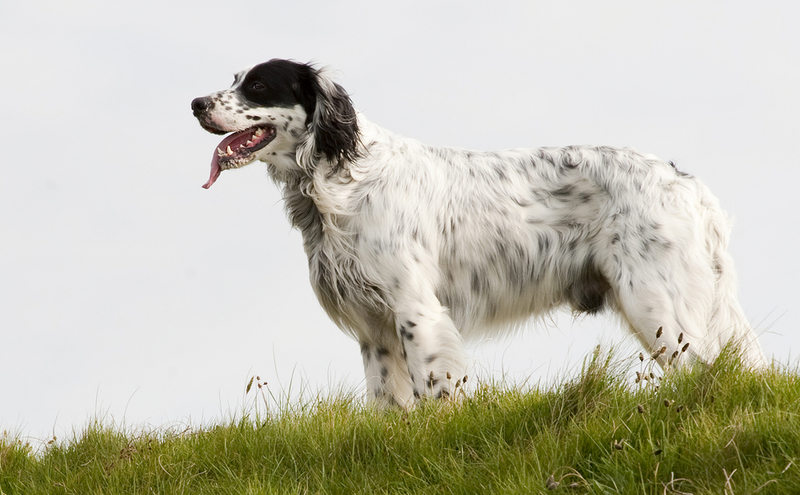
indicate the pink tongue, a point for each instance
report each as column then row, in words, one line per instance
column 215, row 171
column 223, row 145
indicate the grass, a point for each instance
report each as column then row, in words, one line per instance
column 718, row 429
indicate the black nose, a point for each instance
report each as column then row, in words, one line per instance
column 200, row 105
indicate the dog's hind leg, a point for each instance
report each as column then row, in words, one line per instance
column 658, row 286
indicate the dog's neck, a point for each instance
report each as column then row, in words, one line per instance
column 302, row 211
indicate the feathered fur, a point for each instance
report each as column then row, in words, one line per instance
column 412, row 248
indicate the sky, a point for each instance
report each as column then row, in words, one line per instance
column 131, row 295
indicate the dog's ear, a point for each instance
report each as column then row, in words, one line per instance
column 332, row 124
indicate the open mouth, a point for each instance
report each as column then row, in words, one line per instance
column 237, row 149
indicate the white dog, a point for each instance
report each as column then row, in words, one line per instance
column 412, row 248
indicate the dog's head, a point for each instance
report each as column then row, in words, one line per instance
column 283, row 113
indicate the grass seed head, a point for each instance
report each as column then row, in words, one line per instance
column 659, row 352
column 680, row 338
column 685, row 346
column 551, row 483
column 640, row 408
column 641, row 356
column 659, row 332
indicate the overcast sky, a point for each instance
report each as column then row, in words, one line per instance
column 129, row 293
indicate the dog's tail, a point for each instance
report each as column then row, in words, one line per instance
column 727, row 323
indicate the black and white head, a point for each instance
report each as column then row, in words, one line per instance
column 286, row 114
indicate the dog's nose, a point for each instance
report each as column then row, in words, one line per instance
column 200, row 105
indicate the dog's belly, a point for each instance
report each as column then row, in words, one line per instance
column 530, row 273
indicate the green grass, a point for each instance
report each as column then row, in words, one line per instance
column 702, row 429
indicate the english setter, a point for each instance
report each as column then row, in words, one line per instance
column 412, row 248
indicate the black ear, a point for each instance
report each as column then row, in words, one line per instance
column 332, row 125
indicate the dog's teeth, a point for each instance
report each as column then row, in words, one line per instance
column 220, row 152
column 230, row 151
column 259, row 133
column 249, row 143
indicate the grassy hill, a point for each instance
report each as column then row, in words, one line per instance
column 717, row 429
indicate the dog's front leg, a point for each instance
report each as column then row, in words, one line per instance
column 432, row 348
column 386, row 372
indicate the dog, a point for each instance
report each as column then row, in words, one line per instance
column 414, row 248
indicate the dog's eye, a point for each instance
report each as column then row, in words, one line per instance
column 257, row 86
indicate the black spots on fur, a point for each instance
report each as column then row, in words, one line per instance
column 443, row 394
column 416, row 394
column 410, row 324
column 419, row 238
column 431, row 358
column 365, row 351
column 572, row 160
column 501, row 174
column 384, row 373
column 563, row 193
column 432, row 381
column 501, row 248
column 544, row 243
column 479, row 283
column 615, row 239
column 646, row 243
column 573, row 245
column 587, row 291
column 546, row 156
column 678, row 172
column 405, row 334
column 252, row 117
column 523, row 203
column 585, row 197
column 382, row 352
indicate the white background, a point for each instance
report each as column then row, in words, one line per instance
column 129, row 293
